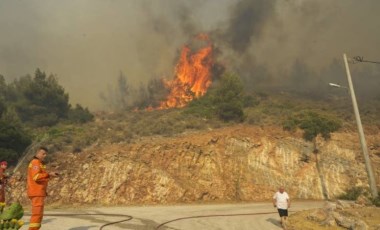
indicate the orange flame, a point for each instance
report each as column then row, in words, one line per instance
column 192, row 76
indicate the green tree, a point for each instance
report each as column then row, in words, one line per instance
column 13, row 141
column 39, row 101
column 229, row 98
column 313, row 124
column 13, row 138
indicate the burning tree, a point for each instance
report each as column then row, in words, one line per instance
column 193, row 75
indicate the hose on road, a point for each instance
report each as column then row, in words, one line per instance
column 208, row 216
column 128, row 217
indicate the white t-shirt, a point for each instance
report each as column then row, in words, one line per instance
column 281, row 200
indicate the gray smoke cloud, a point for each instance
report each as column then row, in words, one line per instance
column 247, row 20
column 298, row 45
column 272, row 44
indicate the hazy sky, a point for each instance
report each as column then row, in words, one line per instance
column 86, row 43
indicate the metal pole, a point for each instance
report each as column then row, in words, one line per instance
column 371, row 178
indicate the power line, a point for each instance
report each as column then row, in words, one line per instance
column 361, row 59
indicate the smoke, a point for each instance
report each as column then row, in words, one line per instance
column 247, row 20
column 298, row 45
column 272, row 44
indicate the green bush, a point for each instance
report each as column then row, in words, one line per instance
column 13, row 141
column 230, row 111
column 202, row 107
column 313, row 124
column 225, row 100
column 351, row 193
column 80, row 115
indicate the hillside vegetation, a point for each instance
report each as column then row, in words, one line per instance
column 129, row 126
column 48, row 119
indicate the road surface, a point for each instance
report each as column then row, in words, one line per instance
column 150, row 217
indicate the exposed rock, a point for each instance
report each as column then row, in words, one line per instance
column 359, row 225
column 329, row 221
column 337, row 216
column 238, row 163
column 343, row 221
column 318, row 215
column 327, row 211
column 342, row 204
column 329, row 206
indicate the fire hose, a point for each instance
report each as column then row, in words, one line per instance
column 217, row 215
column 128, row 217
column 125, row 217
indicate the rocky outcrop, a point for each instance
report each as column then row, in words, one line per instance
column 240, row 163
column 339, row 215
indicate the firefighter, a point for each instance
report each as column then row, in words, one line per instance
column 38, row 179
column 3, row 180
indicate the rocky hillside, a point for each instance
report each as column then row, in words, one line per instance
column 237, row 163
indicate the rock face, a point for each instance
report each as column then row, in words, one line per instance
column 240, row 163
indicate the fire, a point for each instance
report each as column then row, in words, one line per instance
column 192, row 75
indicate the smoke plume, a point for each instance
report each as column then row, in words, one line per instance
column 273, row 44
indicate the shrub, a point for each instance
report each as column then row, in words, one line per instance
column 80, row 115
column 231, row 111
column 313, row 124
column 202, row 107
column 225, row 100
column 351, row 193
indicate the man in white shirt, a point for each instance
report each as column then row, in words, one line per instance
column 281, row 201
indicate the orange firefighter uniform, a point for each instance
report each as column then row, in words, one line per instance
column 37, row 183
column 3, row 180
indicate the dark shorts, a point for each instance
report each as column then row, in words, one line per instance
column 282, row 212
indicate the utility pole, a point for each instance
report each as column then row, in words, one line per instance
column 371, row 178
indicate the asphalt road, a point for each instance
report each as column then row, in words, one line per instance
column 220, row 217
